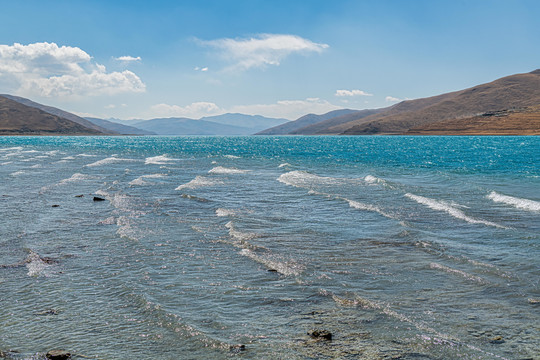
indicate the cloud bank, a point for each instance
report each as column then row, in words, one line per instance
column 288, row 109
column 262, row 50
column 351, row 93
column 48, row 70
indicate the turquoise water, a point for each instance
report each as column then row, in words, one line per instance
column 402, row 247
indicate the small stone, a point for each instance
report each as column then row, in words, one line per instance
column 81, row 195
column 237, row 348
column 58, row 355
column 496, row 340
column 48, row 312
column 97, row 198
column 534, row 301
column 320, row 334
column 56, row 205
column 272, row 270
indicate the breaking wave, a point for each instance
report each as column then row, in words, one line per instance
column 519, row 203
column 140, row 181
column 224, row 170
column 159, row 160
column 198, row 182
column 107, row 161
column 449, row 209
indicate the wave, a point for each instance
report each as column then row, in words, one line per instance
column 370, row 179
column 368, row 207
column 199, row 181
column 286, row 268
column 159, row 160
column 231, row 156
column 225, row 212
column 76, row 177
column 224, row 170
column 284, row 165
column 449, row 209
column 140, row 181
column 17, row 173
column 457, row 272
column 107, row 161
column 240, row 236
column 6, row 163
column 519, row 203
column 303, row 179
column 15, row 148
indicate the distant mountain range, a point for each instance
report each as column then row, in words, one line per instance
column 507, row 106
column 226, row 124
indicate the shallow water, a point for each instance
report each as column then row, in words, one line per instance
column 400, row 246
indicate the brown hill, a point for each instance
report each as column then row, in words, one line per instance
column 506, row 122
column 516, row 91
column 19, row 119
column 304, row 121
column 321, row 126
column 58, row 112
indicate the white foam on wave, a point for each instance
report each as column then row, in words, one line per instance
column 199, row 181
column 159, row 160
column 461, row 273
column 240, row 236
column 17, row 173
column 86, row 155
column 449, row 209
column 286, row 268
column 303, row 179
column 36, row 266
column 76, row 177
column 231, row 156
column 370, row 179
column 284, row 165
column 519, row 203
column 141, row 179
column 14, row 148
column 368, row 207
column 107, row 161
column 6, row 163
column 225, row 212
column 224, row 170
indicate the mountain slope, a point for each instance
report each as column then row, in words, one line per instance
column 515, row 91
column 320, row 127
column 19, row 119
column 119, row 128
column 58, row 112
column 303, row 121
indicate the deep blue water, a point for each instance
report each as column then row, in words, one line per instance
column 400, row 246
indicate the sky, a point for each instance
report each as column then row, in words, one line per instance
column 283, row 59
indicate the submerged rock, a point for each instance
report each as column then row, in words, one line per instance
column 55, row 205
column 320, row 334
column 48, row 312
column 496, row 340
column 81, row 195
column 97, row 198
column 58, row 355
column 237, row 348
column 534, row 301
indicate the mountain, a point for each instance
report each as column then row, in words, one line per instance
column 253, row 122
column 185, row 126
column 58, row 112
column 303, row 121
column 518, row 91
column 119, row 128
column 20, row 119
column 320, row 126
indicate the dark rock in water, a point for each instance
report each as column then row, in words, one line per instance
column 48, row 312
column 97, row 198
column 320, row 334
column 55, row 205
column 534, row 301
column 81, row 195
column 272, row 270
column 237, row 348
column 58, row 355
column 496, row 340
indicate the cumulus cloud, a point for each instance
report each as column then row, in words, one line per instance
column 263, row 50
column 288, row 109
column 200, row 69
column 46, row 69
column 194, row 110
column 352, row 93
column 392, row 99
column 128, row 58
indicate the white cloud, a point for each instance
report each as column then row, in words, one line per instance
column 351, row 93
column 194, row 111
column 392, row 99
column 288, row 109
column 200, row 69
column 204, row 69
column 128, row 58
column 263, row 50
column 49, row 70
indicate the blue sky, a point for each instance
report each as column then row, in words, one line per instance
column 142, row 59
